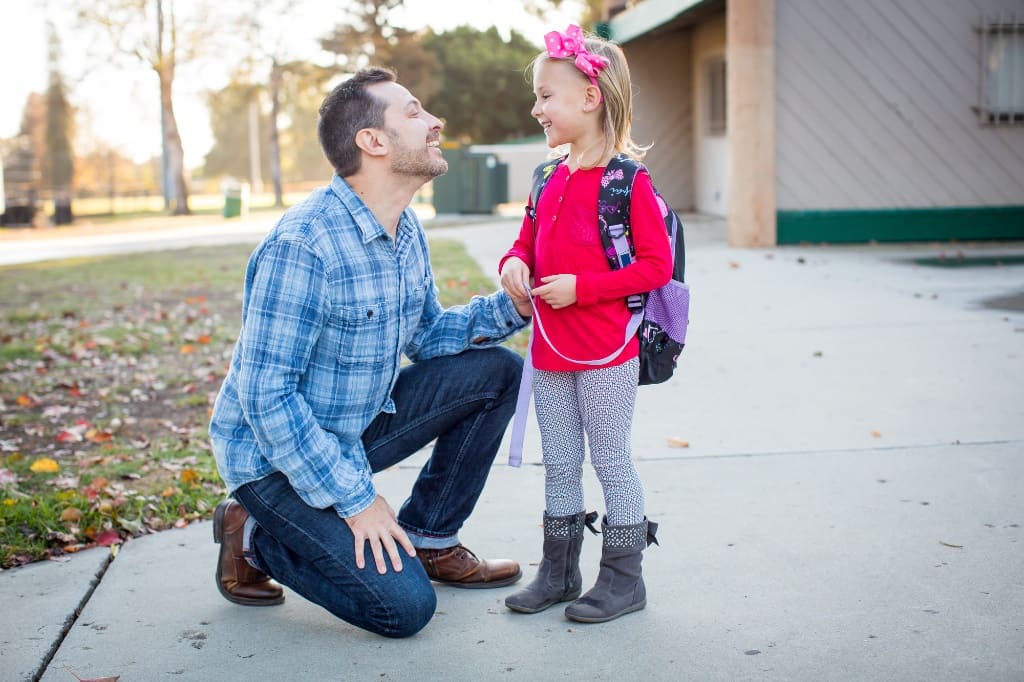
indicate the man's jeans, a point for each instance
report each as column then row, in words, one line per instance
column 465, row 402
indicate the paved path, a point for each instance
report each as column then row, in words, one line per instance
column 850, row 506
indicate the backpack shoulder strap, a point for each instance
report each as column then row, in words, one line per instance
column 541, row 174
column 613, row 216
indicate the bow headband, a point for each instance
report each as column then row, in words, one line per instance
column 570, row 44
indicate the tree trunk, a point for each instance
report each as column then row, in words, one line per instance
column 175, row 153
column 275, row 147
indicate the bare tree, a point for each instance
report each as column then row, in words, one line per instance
column 58, row 162
column 270, row 57
column 151, row 32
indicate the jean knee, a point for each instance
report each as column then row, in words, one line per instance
column 411, row 614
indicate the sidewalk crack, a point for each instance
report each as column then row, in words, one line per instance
column 72, row 618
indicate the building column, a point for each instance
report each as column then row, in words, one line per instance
column 750, row 102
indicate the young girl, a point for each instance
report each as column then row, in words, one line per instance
column 584, row 103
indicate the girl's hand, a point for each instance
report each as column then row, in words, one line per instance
column 558, row 291
column 515, row 276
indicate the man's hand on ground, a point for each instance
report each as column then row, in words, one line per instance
column 379, row 525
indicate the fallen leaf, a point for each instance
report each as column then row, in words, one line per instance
column 180, row 523
column 7, row 476
column 678, row 443
column 130, row 525
column 204, row 339
column 72, row 514
column 45, row 465
column 97, row 436
column 27, row 401
column 192, row 300
column 187, row 349
column 67, row 436
column 108, row 538
column 190, row 476
column 876, row 434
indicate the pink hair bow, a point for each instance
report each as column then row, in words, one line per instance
column 570, row 44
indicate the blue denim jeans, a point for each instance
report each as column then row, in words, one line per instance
column 465, row 402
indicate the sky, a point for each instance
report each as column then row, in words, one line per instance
column 119, row 105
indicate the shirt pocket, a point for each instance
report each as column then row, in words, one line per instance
column 359, row 333
column 584, row 233
column 416, row 289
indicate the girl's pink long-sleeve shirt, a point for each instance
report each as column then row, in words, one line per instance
column 567, row 241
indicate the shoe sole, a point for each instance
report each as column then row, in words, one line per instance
column 218, row 538
column 546, row 606
column 484, row 585
column 605, row 619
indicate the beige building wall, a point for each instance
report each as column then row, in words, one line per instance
column 874, row 107
column 661, row 71
column 711, row 153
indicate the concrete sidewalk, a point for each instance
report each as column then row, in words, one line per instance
column 849, row 507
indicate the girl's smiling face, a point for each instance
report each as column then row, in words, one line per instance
column 561, row 91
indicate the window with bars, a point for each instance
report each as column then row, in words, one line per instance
column 1001, row 91
column 714, row 88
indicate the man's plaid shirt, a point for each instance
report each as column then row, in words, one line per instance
column 330, row 305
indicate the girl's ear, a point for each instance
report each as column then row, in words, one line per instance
column 372, row 141
column 591, row 98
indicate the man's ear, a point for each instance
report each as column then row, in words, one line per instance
column 373, row 141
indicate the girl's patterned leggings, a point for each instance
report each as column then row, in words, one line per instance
column 598, row 403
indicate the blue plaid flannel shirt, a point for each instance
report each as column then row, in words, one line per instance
column 330, row 304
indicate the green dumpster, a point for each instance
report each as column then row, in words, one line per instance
column 475, row 182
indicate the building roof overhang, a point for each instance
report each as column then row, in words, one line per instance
column 657, row 16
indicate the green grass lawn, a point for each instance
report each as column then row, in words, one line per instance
column 108, row 369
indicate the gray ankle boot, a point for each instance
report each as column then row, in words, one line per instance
column 620, row 586
column 558, row 577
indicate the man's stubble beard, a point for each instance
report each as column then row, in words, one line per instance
column 414, row 162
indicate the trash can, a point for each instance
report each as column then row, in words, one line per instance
column 62, row 209
column 236, row 198
column 475, row 183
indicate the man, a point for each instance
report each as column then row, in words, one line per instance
column 315, row 400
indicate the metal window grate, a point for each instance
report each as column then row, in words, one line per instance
column 714, row 78
column 1001, row 70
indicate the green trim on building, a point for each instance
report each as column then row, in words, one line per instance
column 901, row 225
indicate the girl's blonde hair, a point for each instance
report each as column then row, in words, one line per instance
column 616, row 94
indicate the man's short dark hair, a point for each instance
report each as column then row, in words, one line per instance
column 347, row 110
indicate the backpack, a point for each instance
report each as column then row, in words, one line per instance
column 660, row 317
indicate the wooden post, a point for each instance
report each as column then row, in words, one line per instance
column 750, row 105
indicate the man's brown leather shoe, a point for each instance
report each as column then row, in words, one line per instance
column 459, row 567
column 237, row 580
